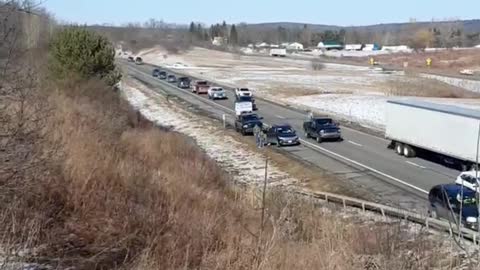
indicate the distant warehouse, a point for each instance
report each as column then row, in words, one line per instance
column 330, row 45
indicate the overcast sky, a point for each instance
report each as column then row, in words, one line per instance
column 341, row 12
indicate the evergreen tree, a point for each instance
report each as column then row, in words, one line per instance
column 192, row 28
column 82, row 52
column 233, row 35
column 199, row 32
column 224, row 29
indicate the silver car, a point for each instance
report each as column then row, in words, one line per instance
column 216, row 93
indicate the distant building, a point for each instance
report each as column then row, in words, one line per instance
column 274, row 46
column 371, row 47
column 399, row 48
column 262, row 45
column 330, row 45
column 353, row 47
column 284, row 45
column 295, row 46
column 251, row 46
column 219, row 41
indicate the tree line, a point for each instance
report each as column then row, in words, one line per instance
column 416, row 35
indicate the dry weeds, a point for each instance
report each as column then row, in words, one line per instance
column 414, row 85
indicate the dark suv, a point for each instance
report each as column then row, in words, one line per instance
column 162, row 75
column 183, row 82
column 282, row 135
column 245, row 123
column 445, row 202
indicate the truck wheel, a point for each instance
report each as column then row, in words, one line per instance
column 307, row 135
column 408, row 151
column 319, row 139
column 243, row 132
column 399, row 148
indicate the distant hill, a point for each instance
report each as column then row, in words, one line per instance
column 469, row 26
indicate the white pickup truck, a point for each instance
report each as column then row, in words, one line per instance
column 243, row 92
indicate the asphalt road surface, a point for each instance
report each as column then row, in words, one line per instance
column 363, row 159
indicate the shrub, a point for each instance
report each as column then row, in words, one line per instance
column 317, row 64
column 84, row 53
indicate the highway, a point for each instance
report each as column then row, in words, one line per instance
column 362, row 159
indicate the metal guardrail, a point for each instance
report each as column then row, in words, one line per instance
column 384, row 210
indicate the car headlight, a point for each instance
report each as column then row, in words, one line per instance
column 245, row 126
column 322, row 131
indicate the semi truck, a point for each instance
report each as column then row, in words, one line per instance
column 445, row 133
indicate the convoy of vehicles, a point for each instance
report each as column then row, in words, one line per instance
column 321, row 129
column 408, row 138
column 406, row 128
column 217, row 93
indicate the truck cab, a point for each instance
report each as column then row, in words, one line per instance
column 245, row 123
column 321, row 129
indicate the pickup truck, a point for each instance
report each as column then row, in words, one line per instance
column 201, row 87
column 322, row 128
column 240, row 92
column 245, row 123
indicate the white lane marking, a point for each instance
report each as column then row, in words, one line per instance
column 320, row 148
column 354, row 143
column 281, row 117
column 415, row 164
column 366, row 167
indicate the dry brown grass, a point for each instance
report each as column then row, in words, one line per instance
column 449, row 61
column 413, row 85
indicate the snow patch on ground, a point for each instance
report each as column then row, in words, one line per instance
column 470, row 85
column 365, row 110
column 234, row 157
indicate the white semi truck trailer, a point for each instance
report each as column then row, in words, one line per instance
column 446, row 133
